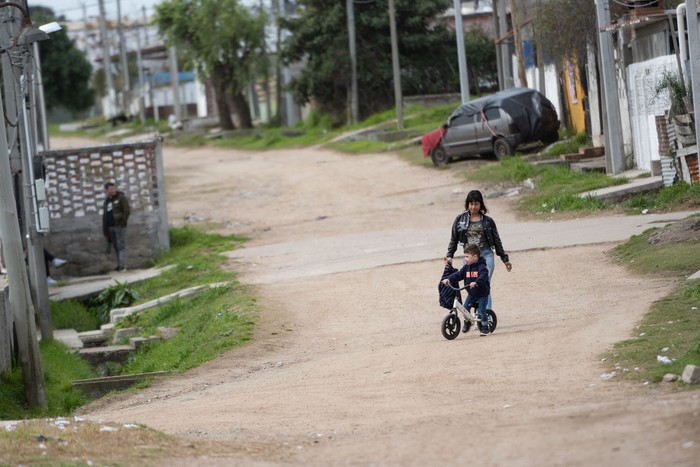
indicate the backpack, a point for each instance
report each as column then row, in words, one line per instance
column 446, row 294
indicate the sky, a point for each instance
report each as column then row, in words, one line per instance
column 73, row 9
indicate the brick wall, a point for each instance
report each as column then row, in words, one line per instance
column 75, row 181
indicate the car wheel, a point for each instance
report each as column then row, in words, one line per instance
column 502, row 148
column 439, row 156
column 553, row 137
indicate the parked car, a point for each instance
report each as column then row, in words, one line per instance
column 497, row 125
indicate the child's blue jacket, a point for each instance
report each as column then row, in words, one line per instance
column 477, row 272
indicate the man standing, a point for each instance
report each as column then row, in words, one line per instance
column 115, row 214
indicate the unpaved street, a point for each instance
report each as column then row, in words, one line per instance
column 348, row 366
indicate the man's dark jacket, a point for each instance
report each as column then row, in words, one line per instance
column 120, row 211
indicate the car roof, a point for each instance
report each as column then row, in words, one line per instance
column 524, row 105
column 513, row 98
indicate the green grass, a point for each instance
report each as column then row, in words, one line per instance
column 673, row 260
column 61, row 368
column 361, row 146
column 570, row 145
column 556, row 188
column 222, row 320
column 673, row 322
column 70, row 314
column 679, row 196
column 208, row 324
column 316, row 129
column 275, row 138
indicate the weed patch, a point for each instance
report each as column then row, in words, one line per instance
column 672, row 327
column 61, row 368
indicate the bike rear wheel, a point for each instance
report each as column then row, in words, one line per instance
column 451, row 326
column 493, row 321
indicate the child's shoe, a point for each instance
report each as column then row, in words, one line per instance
column 465, row 326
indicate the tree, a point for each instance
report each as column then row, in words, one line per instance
column 559, row 37
column 226, row 42
column 482, row 60
column 319, row 39
column 66, row 71
column 563, row 29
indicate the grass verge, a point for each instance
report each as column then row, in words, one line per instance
column 205, row 325
column 556, row 188
column 671, row 329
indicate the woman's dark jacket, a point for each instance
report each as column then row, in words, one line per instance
column 459, row 235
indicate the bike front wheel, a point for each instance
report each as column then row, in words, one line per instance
column 492, row 321
column 450, row 326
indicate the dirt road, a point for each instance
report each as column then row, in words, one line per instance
column 348, row 366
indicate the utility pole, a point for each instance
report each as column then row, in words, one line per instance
column 395, row 63
column 499, row 33
column 287, row 74
column 461, row 53
column 107, row 60
column 43, row 131
column 691, row 9
column 354, row 98
column 506, row 61
column 145, row 21
column 85, row 26
column 20, row 299
column 174, row 82
column 613, row 131
column 266, row 75
column 139, row 64
column 517, row 37
column 126, row 85
column 280, row 103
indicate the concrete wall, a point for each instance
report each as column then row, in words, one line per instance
column 75, row 191
column 645, row 104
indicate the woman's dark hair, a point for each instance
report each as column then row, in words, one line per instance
column 475, row 195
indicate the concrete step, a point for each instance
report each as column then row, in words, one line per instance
column 635, row 186
column 93, row 338
column 97, row 387
column 589, row 165
column 69, row 337
column 110, row 353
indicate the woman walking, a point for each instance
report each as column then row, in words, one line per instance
column 474, row 227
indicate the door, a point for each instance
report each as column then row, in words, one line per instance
column 490, row 121
column 460, row 138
